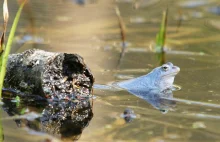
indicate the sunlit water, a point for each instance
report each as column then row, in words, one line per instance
column 92, row 30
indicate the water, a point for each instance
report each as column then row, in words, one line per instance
column 91, row 30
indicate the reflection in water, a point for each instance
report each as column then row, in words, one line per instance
column 159, row 100
column 65, row 119
column 162, row 101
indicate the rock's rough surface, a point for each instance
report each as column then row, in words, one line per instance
column 51, row 75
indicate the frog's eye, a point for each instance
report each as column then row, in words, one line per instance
column 165, row 68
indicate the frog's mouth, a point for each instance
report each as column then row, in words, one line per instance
column 171, row 74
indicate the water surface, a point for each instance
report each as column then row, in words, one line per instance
column 92, row 30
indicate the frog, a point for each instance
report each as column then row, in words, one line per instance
column 155, row 87
column 158, row 80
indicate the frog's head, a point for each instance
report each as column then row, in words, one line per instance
column 164, row 75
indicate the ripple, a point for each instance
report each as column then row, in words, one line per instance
column 193, row 3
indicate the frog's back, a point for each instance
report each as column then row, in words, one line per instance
column 141, row 83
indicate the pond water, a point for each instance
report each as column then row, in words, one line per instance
column 90, row 28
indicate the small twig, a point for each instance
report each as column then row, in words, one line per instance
column 123, row 35
column 121, row 24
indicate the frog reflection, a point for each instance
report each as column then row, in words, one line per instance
column 154, row 87
column 161, row 101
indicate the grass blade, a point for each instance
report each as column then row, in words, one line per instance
column 8, row 47
column 160, row 39
column 161, row 36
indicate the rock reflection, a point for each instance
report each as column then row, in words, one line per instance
column 64, row 119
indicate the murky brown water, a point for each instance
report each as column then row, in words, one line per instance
column 92, row 31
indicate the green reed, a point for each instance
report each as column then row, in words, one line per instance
column 161, row 38
column 5, row 50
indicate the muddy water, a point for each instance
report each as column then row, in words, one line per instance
column 92, row 30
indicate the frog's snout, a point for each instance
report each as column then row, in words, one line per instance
column 177, row 69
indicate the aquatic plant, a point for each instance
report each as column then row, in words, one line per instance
column 121, row 26
column 5, row 50
column 123, row 35
column 161, row 37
